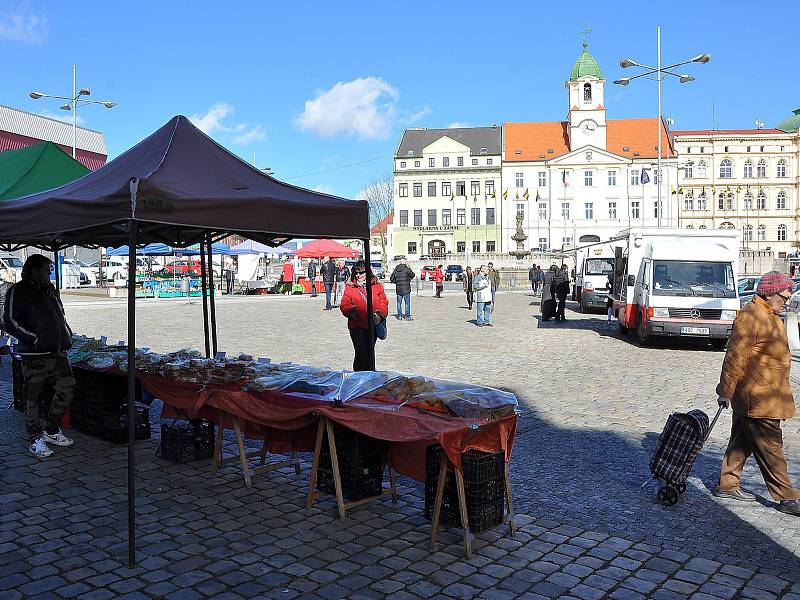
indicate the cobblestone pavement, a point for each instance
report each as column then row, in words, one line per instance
column 593, row 404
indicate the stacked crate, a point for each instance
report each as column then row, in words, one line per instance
column 361, row 462
column 186, row 441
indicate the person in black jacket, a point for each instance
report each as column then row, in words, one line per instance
column 401, row 278
column 34, row 315
column 328, row 272
column 342, row 278
column 312, row 275
column 561, row 291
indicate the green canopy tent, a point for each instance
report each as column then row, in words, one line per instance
column 35, row 169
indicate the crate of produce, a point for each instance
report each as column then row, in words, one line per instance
column 484, row 487
column 361, row 462
column 112, row 426
column 186, row 441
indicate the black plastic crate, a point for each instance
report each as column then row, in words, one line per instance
column 361, row 463
column 484, row 488
column 20, row 392
column 113, row 426
column 98, row 392
column 186, row 441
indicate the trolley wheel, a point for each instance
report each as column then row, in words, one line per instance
column 668, row 495
column 681, row 487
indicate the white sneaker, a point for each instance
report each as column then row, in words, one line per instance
column 57, row 439
column 39, row 449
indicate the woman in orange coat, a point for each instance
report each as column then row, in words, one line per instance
column 354, row 307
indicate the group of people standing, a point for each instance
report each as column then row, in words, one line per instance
column 335, row 276
column 554, row 291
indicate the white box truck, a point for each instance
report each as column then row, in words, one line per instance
column 594, row 266
column 677, row 283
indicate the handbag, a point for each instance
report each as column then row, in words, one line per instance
column 381, row 331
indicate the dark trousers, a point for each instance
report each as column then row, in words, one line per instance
column 562, row 302
column 36, row 373
column 328, row 288
column 439, row 288
column 470, row 298
column 313, row 287
column 763, row 439
column 360, row 338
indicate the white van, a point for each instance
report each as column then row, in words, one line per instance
column 676, row 282
column 12, row 263
column 594, row 267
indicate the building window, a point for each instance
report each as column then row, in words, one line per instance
column 634, row 177
column 589, row 210
column 762, row 233
column 565, row 211
column 588, row 178
column 688, row 202
column 520, row 180
column 488, row 164
column 730, row 202
column 431, row 189
column 702, row 171
column 612, row 210
column 689, row 170
column 417, row 218
column 702, row 203
column 781, row 233
column 656, row 212
column 446, row 189
column 461, row 188
column 431, row 162
column 412, row 247
column 402, row 164
column 475, row 216
column 460, row 161
column 587, row 92
column 761, row 200
column 520, row 210
column 474, row 162
column 542, row 178
column 612, row 178
column 781, row 168
column 432, row 217
column 447, row 217
column 490, row 187
column 461, row 216
column 461, row 247
column 542, row 244
column 634, row 210
column 446, row 161
column 490, row 216
column 761, row 168
column 474, row 188
column 542, row 211
column 476, row 246
column 748, row 233
column 403, row 218
column 566, row 242
column 416, row 163
column 417, row 190
column 748, row 168
column 721, row 201
column 748, row 201
column 490, row 246
column 402, row 190
column 781, row 203
column 725, row 169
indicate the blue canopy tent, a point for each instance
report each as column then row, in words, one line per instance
column 164, row 250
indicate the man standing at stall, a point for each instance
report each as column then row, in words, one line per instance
column 328, row 272
column 494, row 280
column 312, row 276
column 342, row 277
column 34, row 315
column 401, row 277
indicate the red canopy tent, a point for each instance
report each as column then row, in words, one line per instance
column 320, row 248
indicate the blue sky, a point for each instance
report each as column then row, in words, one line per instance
column 310, row 87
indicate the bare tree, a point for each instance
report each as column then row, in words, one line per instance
column 380, row 196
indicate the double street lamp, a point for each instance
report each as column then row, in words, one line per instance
column 72, row 104
column 660, row 73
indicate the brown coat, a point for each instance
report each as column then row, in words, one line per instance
column 755, row 373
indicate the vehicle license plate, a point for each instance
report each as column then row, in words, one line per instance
column 694, row 330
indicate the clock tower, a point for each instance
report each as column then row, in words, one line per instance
column 587, row 111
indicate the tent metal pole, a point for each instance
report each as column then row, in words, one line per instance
column 371, row 329
column 205, row 296
column 211, row 296
column 56, row 273
column 131, row 391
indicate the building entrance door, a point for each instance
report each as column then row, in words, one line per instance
column 436, row 248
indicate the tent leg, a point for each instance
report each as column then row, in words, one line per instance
column 56, row 273
column 371, row 330
column 211, row 296
column 131, row 391
column 205, row 296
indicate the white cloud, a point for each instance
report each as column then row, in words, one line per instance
column 324, row 189
column 65, row 116
column 364, row 107
column 18, row 23
column 414, row 117
column 213, row 122
column 458, row 125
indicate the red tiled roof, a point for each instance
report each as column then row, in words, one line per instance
column 697, row 132
column 638, row 136
column 380, row 226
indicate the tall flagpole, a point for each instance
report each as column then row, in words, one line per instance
column 659, row 127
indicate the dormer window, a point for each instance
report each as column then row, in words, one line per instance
column 587, row 93
column 550, row 151
column 626, row 149
column 483, row 150
column 410, row 153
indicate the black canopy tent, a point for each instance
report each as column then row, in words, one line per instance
column 179, row 187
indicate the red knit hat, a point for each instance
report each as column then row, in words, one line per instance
column 773, row 283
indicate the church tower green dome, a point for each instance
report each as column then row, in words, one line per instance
column 585, row 65
column 790, row 124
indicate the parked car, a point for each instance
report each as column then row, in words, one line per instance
column 80, row 267
column 114, row 269
column 13, row 263
column 454, row 273
column 184, row 267
column 427, row 272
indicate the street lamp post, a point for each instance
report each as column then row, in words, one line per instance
column 72, row 104
column 659, row 72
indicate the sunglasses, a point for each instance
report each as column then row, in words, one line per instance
column 360, row 272
column 785, row 297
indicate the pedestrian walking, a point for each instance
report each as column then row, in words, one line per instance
column 354, row 307
column 755, row 383
column 34, row 315
column 328, row 272
column 483, row 297
column 401, row 278
column 312, row 276
column 342, row 278
column 561, row 291
column 287, row 276
column 609, row 297
column 494, row 282
column 230, row 274
column 438, row 278
column 468, row 281
column 532, row 278
column 548, row 302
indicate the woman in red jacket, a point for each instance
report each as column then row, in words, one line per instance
column 438, row 277
column 354, row 307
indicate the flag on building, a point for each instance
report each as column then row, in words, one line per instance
column 537, row 195
column 505, row 194
column 643, row 177
column 564, row 178
column 452, row 195
column 517, row 194
column 525, row 195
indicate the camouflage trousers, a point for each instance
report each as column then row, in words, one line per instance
column 37, row 372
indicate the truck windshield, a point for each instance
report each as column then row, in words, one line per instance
column 13, row 262
column 679, row 278
column 599, row 266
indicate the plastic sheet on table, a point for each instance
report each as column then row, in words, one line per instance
column 321, row 384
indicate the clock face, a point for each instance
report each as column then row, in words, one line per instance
column 588, row 126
